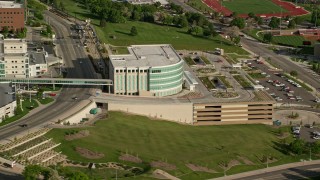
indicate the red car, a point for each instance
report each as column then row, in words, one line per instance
column 52, row 94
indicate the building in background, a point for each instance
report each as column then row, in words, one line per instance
column 148, row 70
column 37, row 63
column 12, row 15
column 14, row 59
column 8, row 102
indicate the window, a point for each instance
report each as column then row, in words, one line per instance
column 156, row 71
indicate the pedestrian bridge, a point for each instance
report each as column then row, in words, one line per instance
column 63, row 81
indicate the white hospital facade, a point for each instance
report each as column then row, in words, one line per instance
column 148, row 70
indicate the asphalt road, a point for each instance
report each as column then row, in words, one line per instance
column 72, row 53
column 283, row 63
column 5, row 175
column 301, row 172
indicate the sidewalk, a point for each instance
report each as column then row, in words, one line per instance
column 267, row 170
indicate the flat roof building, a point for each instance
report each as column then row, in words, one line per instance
column 12, row 15
column 148, row 70
column 7, row 101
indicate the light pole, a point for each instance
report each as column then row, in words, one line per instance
column 29, row 89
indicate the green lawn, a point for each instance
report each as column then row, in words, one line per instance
column 254, row 6
column 207, row 82
column 242, row 81
column 46, row 100
column 26, row 107
column 199, row 5
column 177, row 144
column 149, row 33
column 294, row 41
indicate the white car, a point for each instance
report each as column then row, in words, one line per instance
column 270, row 81
column 316, row 133
column 316, row 137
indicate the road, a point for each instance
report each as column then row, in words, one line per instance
column 301, row 172
column 283, row 63
column 73, row 54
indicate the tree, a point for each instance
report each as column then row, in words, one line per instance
column 195, row 30
column 49, row 29
column 294, row 73
column 103, row 22
column 232, row 32
column 40, row 93
column 258, row 19
column 167, row 20
column 236, row 40
column 239, row 22
column 292, row 24
column 31, row 172
column 183, row 22
column 251, row 15
column 234, row 14
column 267, row 37
column 133, row 31
column 62, row 7
column 136, row 16
column 5, row 30
column 206, row 32
column 274, row 22
column 297, row 146
column 78, row 176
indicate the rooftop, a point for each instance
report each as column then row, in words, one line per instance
column 147, row 56
column 37, row 58
column 10, row 4
column 6, row 97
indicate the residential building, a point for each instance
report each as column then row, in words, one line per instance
column 12, row 15
column 148, row 70
column 8, row 102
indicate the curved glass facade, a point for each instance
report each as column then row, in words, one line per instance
column 166, row 80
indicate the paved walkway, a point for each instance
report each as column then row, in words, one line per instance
column 270, row 169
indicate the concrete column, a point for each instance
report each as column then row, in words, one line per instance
column 109, row 89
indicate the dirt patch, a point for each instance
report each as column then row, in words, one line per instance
column 130, row 158
column 245, row 160
column 284, row 135
column 78, row 135
column 163, row 165
column 194, row 167
column 229, row 165
column 89, row 154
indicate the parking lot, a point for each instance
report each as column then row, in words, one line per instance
column 307, row 134
column 298, row 95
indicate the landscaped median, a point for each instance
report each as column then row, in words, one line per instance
column 242, row 81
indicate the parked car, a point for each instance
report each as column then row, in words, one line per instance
column 316, row 137
column 309, row 126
